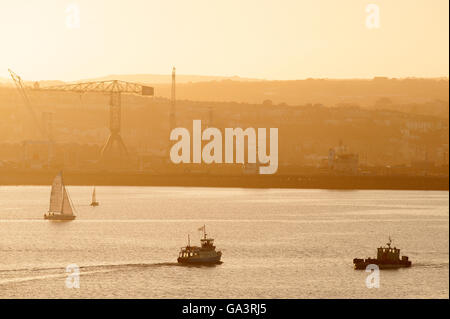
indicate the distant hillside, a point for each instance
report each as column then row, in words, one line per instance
column 377, row 92
column 9, row 82
column 145, row 78
column 306, row 132
column 167, row 78
column 411, row 95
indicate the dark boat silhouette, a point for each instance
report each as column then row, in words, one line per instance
column 206, row 254
column 387, row 258
column 94, row 201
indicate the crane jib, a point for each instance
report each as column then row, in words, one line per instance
column 114, row 87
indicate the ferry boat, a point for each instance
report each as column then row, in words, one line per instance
column 205, row 254
column 60, row 208
column 387, row 258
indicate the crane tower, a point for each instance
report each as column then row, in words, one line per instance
column 114, row 88
column 173, row 101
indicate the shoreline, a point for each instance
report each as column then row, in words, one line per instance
column 334, row 182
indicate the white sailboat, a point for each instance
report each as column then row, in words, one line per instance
column 94, row 199
column 61, row 207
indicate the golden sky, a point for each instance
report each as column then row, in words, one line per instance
column 271, row 39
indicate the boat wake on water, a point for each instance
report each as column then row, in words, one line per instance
column 429, row 265
column 93, row 267
column 8, row 276
column 9, row 280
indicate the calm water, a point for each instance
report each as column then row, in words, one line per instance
column 275, row 243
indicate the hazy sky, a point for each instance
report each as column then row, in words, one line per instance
column 272, row 39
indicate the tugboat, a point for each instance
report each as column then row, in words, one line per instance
column 387, row 258
column 206, row 254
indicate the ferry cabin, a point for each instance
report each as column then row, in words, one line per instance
column 194, row 251
column 189, row 251
column 207, row 243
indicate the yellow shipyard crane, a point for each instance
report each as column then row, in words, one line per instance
column 115, row 89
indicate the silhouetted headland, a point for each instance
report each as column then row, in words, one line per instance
column 317, row 181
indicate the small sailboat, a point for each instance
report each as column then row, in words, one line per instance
column 61, row 207
column 94, row 199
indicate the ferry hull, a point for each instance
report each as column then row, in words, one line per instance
column 59, row 217
column 204, row 255
column 200, row 260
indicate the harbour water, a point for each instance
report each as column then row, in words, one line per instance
column 276, row 243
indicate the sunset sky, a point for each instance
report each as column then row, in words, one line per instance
column 285, row 39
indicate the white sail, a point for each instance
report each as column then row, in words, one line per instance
column 66, row 207
column 59, row 199
column 56, row 196
column 94, row 199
